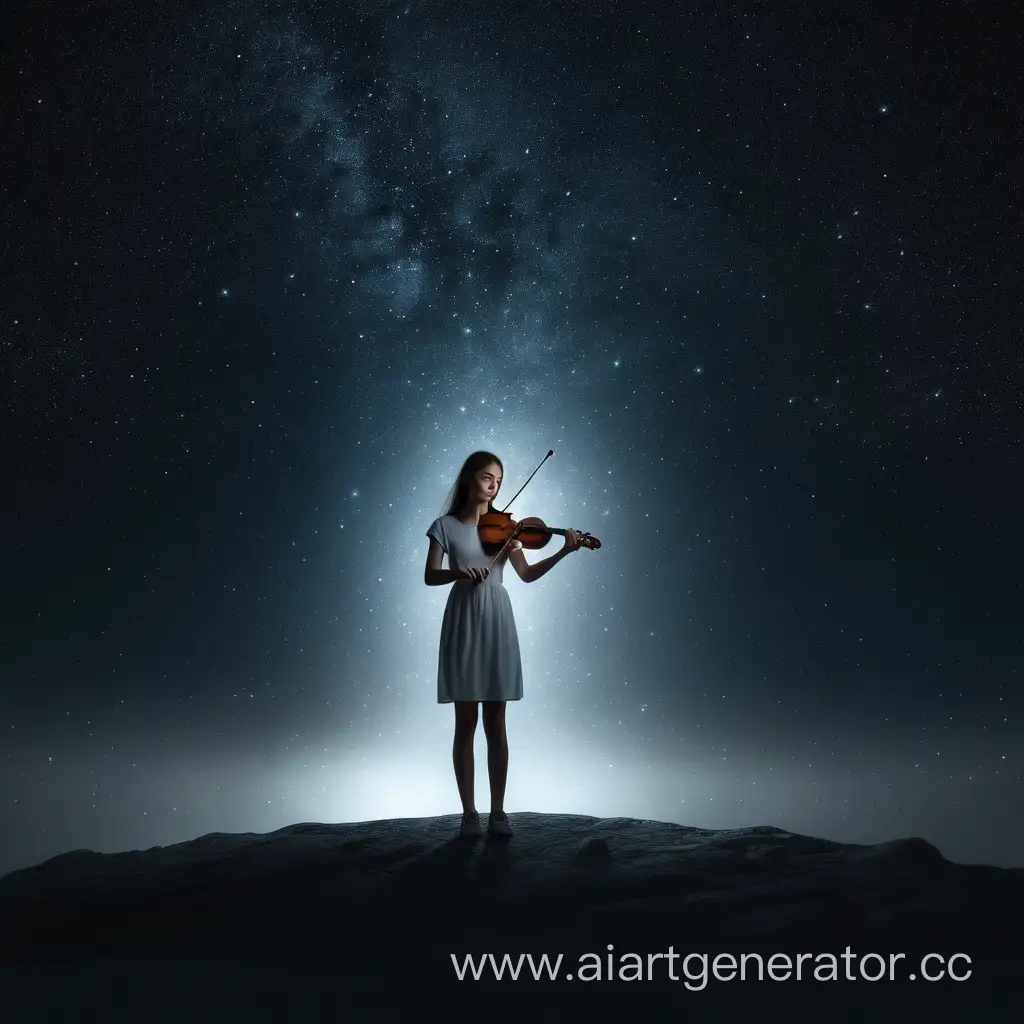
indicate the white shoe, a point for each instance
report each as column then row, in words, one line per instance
column 498, row 825
column 470, row 827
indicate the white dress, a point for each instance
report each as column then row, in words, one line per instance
column 478, row 658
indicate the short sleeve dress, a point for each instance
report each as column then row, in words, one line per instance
column 478, row 656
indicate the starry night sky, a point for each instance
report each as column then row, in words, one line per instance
column 272, row 271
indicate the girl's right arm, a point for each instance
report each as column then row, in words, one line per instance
column 433, row 574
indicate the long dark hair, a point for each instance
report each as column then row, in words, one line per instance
column 460, row 489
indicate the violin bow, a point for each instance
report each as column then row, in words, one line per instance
column 512, row 535
column 529, row 478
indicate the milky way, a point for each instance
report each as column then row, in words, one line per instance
column 272, row 271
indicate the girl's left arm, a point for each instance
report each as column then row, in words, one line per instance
column 531, row 573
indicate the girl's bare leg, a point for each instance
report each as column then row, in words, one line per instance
column 462, row 751
column 497, row 753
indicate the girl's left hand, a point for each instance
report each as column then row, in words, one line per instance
column 572, row 541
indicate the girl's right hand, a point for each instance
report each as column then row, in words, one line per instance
column 477, row 575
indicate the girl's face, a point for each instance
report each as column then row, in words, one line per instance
column 486, row 481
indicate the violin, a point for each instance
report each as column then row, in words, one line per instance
column 500, row 529
column 531, row 532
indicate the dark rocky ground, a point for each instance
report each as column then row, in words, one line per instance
column 363, row 919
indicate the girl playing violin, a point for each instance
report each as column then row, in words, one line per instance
column 478, row 659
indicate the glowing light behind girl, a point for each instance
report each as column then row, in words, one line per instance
column 558, row 662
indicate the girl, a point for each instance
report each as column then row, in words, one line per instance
column 478, row 661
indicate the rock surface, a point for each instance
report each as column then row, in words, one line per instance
column 301, row 918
